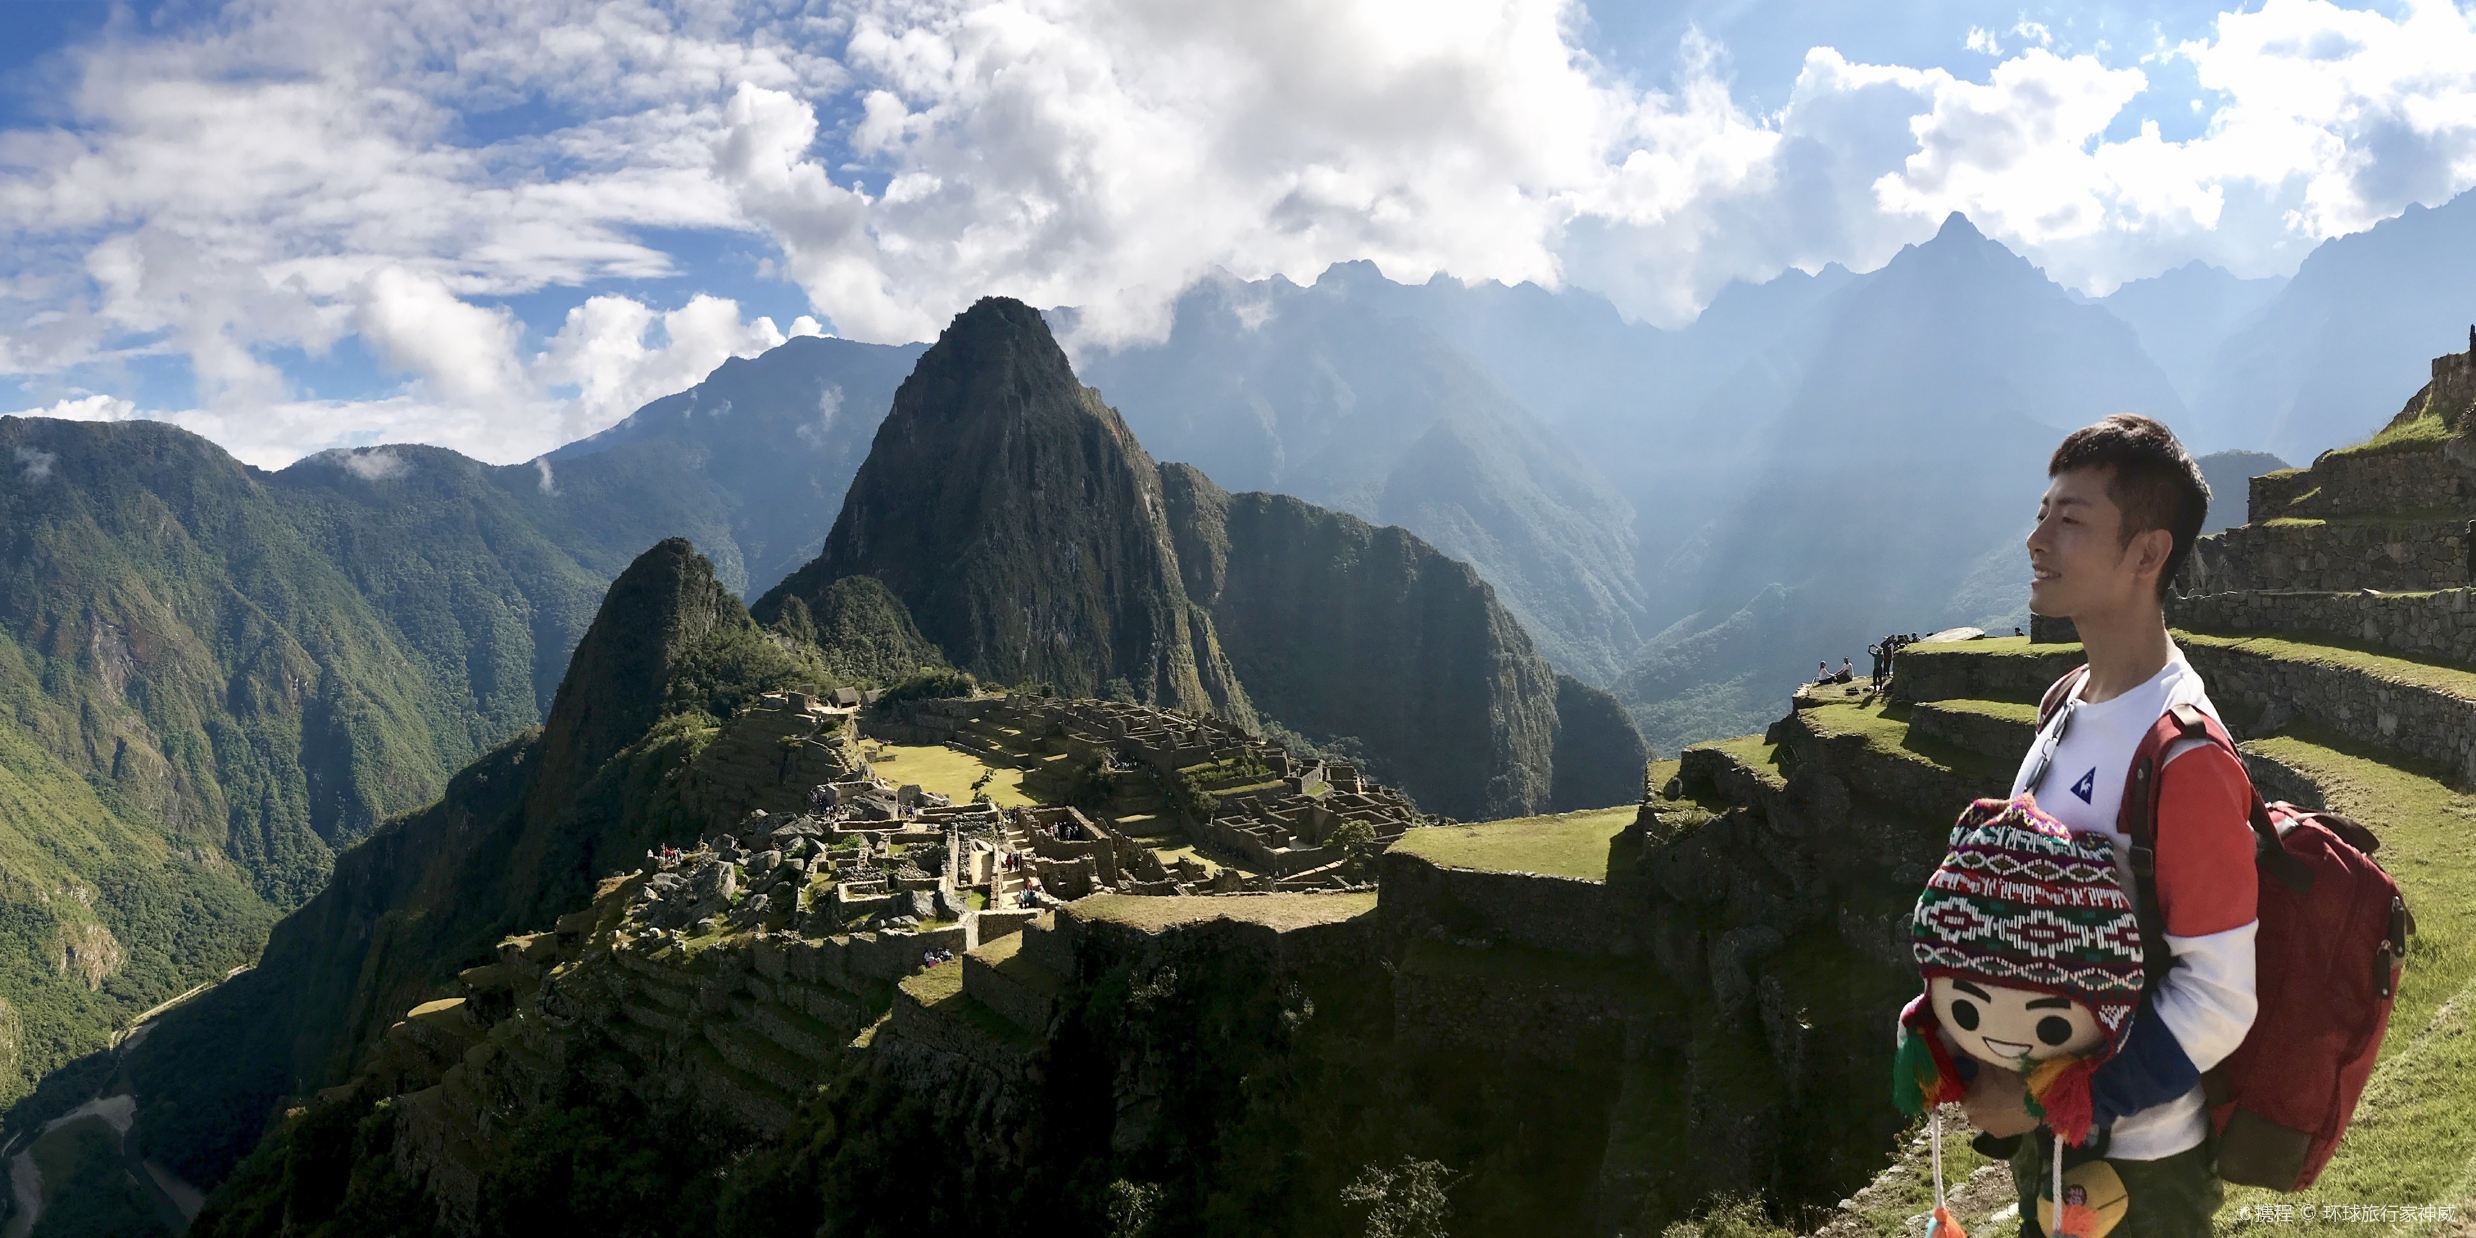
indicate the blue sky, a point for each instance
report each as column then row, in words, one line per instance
column 296, row 224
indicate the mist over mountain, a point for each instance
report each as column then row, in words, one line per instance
column 2183, row 316
column 752, row 462
column 1346, row 395
column 2318, row 366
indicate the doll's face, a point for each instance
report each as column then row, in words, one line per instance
column 2009, row 1026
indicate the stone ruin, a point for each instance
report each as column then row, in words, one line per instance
column 772, row 753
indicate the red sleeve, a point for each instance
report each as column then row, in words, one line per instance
column 2206, row 880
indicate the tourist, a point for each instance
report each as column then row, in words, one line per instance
column 2123, row 505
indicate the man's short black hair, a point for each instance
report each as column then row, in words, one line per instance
column 2155, row 482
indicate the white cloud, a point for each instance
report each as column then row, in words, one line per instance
column 618, row 354
column 541, row 465
column 35, row 464
column 1106, row 154
column 829, row 407
column 463, row 352
column 229, row 185
column 272, row 175
column 376, row 464
column 88, row 407
column 2369, row 112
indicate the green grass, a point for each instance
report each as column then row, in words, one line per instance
column 1659, row 772
column 932, row 985
column 2317, row 651
column 2382, row 520
column 1753, row 753
column 1279, row 911
column 2006, row 711
column 950, row 772
column 1885, row 730
column 2412, row 1134
column 1572, row 844
column 1989, row 647
column 2424, row 430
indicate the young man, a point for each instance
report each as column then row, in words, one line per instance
column 2123, row 505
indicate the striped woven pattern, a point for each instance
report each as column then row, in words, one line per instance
column 2023, row 902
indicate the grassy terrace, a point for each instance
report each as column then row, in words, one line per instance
column 2005, row 711
column 1279, row 911
column 2317, row 650
column 2424, row 430
column 1570, row 844
column 1754, row 754
column 2321, row 651
column 1884, row 728
column 2413, row 1139
column 950, row 773
column 2380, row 521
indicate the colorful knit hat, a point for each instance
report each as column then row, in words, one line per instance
column 2022, row 902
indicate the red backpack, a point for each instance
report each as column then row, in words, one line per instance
column 2333, row 930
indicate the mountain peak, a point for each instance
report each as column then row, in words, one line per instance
column 1956, row 227
column 997, row 353
column 662, row 603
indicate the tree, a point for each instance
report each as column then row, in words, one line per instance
column 1405, row 1201
column 1355, row 839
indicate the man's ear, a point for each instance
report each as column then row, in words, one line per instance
column 2149, row 550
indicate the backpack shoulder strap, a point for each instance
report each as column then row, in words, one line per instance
column 2059, row 693
column 2138, row 819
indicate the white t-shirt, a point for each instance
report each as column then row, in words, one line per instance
column 2208, row 1000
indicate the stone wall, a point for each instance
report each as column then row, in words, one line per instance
column 2368, row 484
column 2433, row 627
column 1564, row 914
column 2405, row 554
column 2046, row 631
column 2265, row 695
column 1924, row 675
column 1989, row 735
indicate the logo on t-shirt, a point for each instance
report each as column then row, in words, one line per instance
column 2087, row 786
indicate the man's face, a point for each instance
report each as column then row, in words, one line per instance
column 2010, row 1027
column 2078, row 561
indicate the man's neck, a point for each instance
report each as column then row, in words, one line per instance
column 2124, row 650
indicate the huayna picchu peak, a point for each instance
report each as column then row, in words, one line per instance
column 1031, row 539
column 1017, row 519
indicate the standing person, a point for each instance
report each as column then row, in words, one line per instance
column 1875, row 651
column 2123, row 505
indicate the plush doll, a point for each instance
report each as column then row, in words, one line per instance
column 2031, row 957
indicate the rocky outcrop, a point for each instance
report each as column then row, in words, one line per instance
column 1344, row 629
column 1016, row 518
